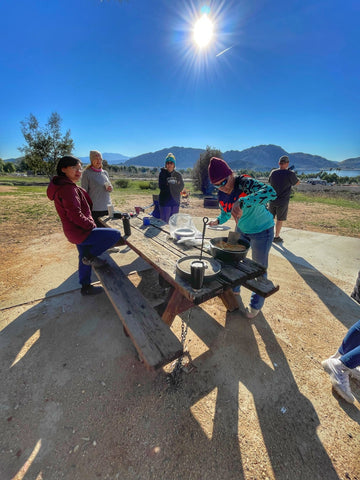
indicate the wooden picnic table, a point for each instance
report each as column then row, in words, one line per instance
column 149, row 328
column 154, row 244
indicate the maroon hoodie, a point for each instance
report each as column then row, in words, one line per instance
column 73, row 205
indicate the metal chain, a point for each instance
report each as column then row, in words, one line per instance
column 174, row 377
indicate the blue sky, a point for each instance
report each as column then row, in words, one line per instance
column 127, row 77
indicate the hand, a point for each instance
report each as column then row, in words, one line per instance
column 213, row 223
column 236, row 212
column 109, row 188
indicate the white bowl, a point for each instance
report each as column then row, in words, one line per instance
column 184, row 233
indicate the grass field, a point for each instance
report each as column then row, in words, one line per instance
column 328, row 210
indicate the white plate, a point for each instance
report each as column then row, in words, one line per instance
column 219, row 227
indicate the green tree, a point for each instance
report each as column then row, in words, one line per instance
column 2, row 164
column 45, row 145
column 9, row 167
column 200, row 174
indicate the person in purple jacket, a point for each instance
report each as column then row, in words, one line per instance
column 245, row 199
column 73, row 205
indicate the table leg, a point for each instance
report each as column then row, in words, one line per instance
column 229, row 300
column 175, row 303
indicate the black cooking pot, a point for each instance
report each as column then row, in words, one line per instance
column 220, row 250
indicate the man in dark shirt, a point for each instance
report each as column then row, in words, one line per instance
column 281, row 179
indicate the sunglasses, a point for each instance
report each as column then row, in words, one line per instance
column 222, row 184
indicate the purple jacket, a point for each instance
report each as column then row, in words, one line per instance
column 73, row 205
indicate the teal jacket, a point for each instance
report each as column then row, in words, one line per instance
column 253, row 197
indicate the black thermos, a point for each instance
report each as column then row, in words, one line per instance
column 197, row 274
column 126, row 225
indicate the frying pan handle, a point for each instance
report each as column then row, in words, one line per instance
column 205, row 222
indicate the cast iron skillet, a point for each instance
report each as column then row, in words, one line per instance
column 228, row 256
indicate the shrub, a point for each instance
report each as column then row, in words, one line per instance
column 144, row 185
column 122, row 183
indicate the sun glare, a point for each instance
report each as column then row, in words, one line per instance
column 203, row 31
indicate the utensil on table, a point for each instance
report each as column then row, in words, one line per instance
column 205, row 222
column 233, row 238
column 142, row 209
column 198, row 266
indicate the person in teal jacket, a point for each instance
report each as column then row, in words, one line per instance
column 245, row 199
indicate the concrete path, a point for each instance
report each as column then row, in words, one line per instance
column 330, row 254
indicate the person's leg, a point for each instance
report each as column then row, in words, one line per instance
column 165, row 213
column 281, row 215
column 84, row 270
column 350, row 347
column 99, row 240
column 174, row 210
column 272, row 209
column 279, row 224
column 243, row 236
column 356, row 292
column 345, row 363
column 260, row 248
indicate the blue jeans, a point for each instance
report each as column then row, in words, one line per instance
column 99, row 240
column 166, row 212
column 350, row 347
column 260, row 247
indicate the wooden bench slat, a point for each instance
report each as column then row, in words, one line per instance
column 156, row 344
column 262, row 286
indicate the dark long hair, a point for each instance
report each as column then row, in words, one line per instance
column 67, row 161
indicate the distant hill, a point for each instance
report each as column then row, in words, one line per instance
column 185, row 157
column 260, row 158
column 350, row 164
column 111, row 158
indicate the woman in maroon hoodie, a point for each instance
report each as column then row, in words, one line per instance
column 73, row 205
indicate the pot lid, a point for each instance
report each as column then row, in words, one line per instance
column 212, row 266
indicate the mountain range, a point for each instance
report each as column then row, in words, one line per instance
column 260, row 158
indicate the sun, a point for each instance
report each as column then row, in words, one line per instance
column 203, row 31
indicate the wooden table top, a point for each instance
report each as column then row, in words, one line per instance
column 154, row 244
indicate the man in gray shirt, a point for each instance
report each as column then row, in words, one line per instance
column 281, row 179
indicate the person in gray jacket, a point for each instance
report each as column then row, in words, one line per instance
column 95, row 181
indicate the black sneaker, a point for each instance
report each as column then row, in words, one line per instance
column 94, row 262
column 278, row 240
column 91, row 290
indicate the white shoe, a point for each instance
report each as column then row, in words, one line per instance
column 113, row 250
column 339, row 376
column 353, row 372
column 94, row 262
column 251, row 312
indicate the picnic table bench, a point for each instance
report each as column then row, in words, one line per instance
column 154, row 341
column 149, row 328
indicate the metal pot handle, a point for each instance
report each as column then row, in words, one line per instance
column 205, row 222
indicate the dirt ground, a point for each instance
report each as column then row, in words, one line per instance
column 254, row 404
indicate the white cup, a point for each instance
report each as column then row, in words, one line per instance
column 110, row 208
